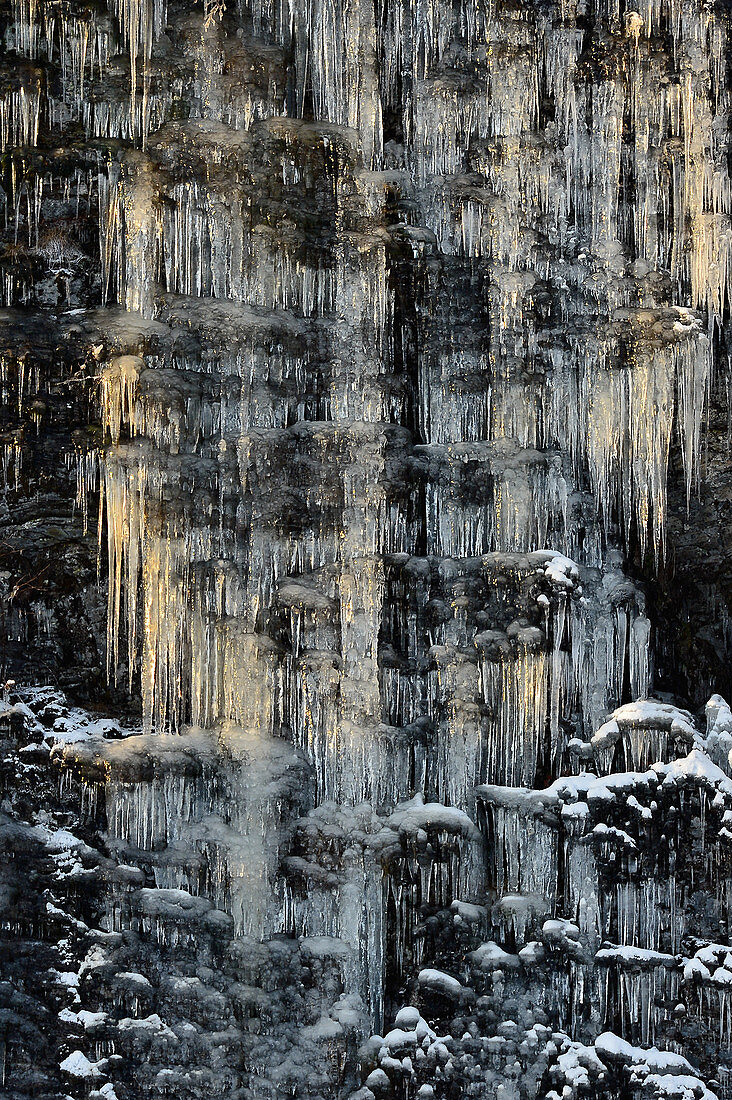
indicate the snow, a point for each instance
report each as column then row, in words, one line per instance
column 398, row 1039
column 628, row 955
column 133, row 979
column 651, row 712
column 61, row 840
column 414, row 815
column 78, row 1065
column 88, row 1020
column 653, row 1072
column 468, row 913
column 677, row 1087
column 378, row 1080
column 439, row 982
column 697, row 768
column 647, row 729
column 612, row 1047
column 490, row 956
column 611, row 833
column 68, row 978
column 407, row 1018
column 559, row 570
column 151, row 1024
column 48, row 714
column 575, row 1064
column 532, row 953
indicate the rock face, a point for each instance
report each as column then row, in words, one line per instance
column 364, row 550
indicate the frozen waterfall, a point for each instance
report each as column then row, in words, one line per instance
column 401, row 324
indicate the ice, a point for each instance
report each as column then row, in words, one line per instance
column 180, row 813
column 20, row 115
column 516, row 691
column 625, row 420
column 340, row 65
column 119, row 381
column 419, row 307
column 647, row 729
column 141, row 21
column 524, row 853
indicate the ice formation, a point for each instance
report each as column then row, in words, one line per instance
column 404, row 312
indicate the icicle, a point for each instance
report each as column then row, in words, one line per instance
column 119, row 380
column 515, row 690
column 141, row 23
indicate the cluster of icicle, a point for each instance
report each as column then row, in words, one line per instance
column 673, row 103
column 256, row 547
